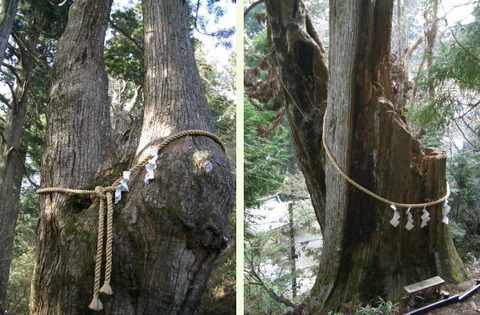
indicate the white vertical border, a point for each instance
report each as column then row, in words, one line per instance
column 239, row 44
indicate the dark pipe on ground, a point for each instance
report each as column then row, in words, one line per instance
column 469, row 292
column 434, row 305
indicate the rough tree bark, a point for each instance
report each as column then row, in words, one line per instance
column 304, row 72
column 167, row 233
column 172, row 229
column 77, row 149
column 12, row 158
column 8, row 10
column 363, row 255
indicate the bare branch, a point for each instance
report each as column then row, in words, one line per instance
column 463, row 134
column 410, row 50
column 472, row 107
column 250, row 7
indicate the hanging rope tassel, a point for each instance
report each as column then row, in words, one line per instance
column 96, row 304
column 106, row 288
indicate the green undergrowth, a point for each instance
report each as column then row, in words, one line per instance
column 380, row 307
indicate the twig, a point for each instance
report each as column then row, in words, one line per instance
column 468, row 111
column 465, row 49
column 463, row 134
column 274, row 295
column 250, row 7
column 125, row 33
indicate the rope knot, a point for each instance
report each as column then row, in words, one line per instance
column 100, row 192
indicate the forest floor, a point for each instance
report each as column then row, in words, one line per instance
column 470, row 306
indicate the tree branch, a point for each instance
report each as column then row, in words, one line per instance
column 25, row 171
column 463, row 134
column 125, row 33
column 250, row 7
column 281, row 299
column 475, row 58
column 25, row 49
column 5, row 100
column 472, row 107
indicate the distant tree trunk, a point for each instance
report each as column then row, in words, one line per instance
column 167, row 233
column 12, row 160
column 430, row 32
column 293, row 255
column 8, row 10
column 304, row 71
column 77, row 149
column 363, row 255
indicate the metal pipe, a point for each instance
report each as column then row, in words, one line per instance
column 469, row 292
column 434, row 305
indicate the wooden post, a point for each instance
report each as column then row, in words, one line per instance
column 292, row 249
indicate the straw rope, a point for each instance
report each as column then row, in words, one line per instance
column 104, row 194
column 106, row 288
column 371, row 193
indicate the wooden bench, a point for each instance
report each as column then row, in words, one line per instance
column 434, row 282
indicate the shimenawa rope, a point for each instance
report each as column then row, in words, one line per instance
column 104, row 194
column 368, row 192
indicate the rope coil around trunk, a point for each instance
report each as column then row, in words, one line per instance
column 105, row 195
column 371, row 193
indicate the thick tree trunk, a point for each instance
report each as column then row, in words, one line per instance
column 372, row 255
column 167, row 233
column 8, row 10
column 77, row 149
column 12, row 159
column 172, row 229
column 363, row 255
column 301, row 57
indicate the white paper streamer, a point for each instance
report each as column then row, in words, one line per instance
column 151, row 165
column 123, row 186
column 395, row 221
column 409, row 224
column 425, row 217
column 445, row 211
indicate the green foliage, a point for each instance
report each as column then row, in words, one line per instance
column 124, row 50
column 267, row 255
column 382, row 308
column 454, row 75
column 263, row 249
column 23, row 254
column 206, row 15
column 252, row 21
column 464, row 171
column 218, row 87
column 266, row 158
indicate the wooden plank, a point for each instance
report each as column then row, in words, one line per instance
column 425, row 284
